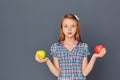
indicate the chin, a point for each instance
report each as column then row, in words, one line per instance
column 70, row 36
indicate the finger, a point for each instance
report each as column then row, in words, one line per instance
column 37, row 58
column 104, row 51
column 41, row 58
column 46, row 59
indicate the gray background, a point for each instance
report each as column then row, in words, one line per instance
column 28, row 25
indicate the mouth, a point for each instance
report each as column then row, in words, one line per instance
column 69, row 32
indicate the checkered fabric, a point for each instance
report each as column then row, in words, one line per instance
column 70, row 61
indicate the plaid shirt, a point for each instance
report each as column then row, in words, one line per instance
column 70, row 61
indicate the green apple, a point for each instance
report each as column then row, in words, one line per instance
column 41, row 53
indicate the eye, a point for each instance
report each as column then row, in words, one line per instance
column 73, row 26
column 65, row 26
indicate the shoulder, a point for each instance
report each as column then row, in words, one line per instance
column 55, row 47
column 83, row 45
column 56, row 44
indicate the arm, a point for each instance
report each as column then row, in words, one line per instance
column 87, row 67
column 54, row 68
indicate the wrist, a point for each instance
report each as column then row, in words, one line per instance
column 95, row 56
column 47, row 60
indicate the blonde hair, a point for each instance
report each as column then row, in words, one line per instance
column 73, row 17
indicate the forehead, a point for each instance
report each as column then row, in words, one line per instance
column 69, row 21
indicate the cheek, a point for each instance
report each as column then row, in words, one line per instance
column 75, row 30
column 64, row 31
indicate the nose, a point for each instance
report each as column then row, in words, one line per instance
column 69, row 28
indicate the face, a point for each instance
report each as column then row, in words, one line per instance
column 69, row 27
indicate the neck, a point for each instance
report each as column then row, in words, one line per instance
column 70, row 41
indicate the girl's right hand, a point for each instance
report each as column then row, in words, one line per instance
column 40, row 60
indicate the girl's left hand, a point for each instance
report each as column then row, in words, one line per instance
column 40, row 60
column 101, row 54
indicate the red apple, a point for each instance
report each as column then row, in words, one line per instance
column 98, row 48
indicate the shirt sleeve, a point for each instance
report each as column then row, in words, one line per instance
column 86, row 52
column 53, row 50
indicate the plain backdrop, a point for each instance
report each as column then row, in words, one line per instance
column 29, row 25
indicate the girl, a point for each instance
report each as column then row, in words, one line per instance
column 70, row 53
